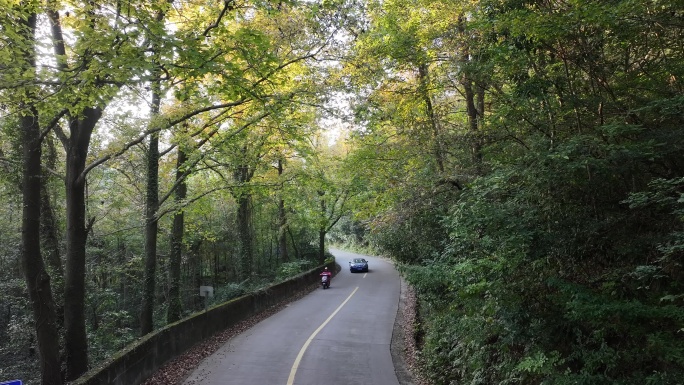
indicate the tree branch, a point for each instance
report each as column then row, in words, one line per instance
column 228, row 5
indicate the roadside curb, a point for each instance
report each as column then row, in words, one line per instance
column 398, row 344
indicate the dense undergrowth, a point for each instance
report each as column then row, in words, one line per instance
column 546, row 276
column 523, row 294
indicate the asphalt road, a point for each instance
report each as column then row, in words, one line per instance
column 338, row 336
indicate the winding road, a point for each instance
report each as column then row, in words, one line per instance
column 338, row 336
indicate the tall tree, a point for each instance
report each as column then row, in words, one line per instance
column 282, row 220
column 175, row 306
column 243, row 174
column 152, row 186
column 76, row 341
column 151, row 222
column 82, row 118
column 323, row 192
column 37, row 278
column 49, row 224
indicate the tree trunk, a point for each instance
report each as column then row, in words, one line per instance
column 152, row 201
column 321, row 231
column 151, row 225
column 282, row 232
column 294, row 244
column 196, row 263
column 282, row 222
column 471, row 105
column 76, row 145
column 434, row 123
column 76, row 342
column 243, row 174
column 244, row 225
column 321, row 246
column 175, row 305
column 48, row 231
column 473, row 118
column 37, row 279
column 480, row 104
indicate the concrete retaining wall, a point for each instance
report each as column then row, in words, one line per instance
column 140, row 360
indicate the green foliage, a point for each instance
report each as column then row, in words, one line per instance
column 17, row 336
column 412, row 238
column 111, row 328
column 290, row 269
column 556, row 259
column 543, row 229
column 500, row 307
column 228, row 292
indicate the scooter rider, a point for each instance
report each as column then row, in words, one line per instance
column 328, row 273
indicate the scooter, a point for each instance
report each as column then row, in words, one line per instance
column 325, row 281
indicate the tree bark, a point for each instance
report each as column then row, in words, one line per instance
column 321, row 246
column 175, row 308
column 244, row 225
column 294, row 243
column 434, row 123
column 151, row 225
column 321, row 231
column 76, row 146
column 243, row 174
column 473, row 117
column 49, row 233
column 471, row 104
column 152, row 202
column 37, row 279
column 282, row 222
column 76, row 342
column 195, row 259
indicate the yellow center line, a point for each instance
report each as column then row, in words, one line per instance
column 295, row 366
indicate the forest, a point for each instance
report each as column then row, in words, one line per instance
column 521, row 161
